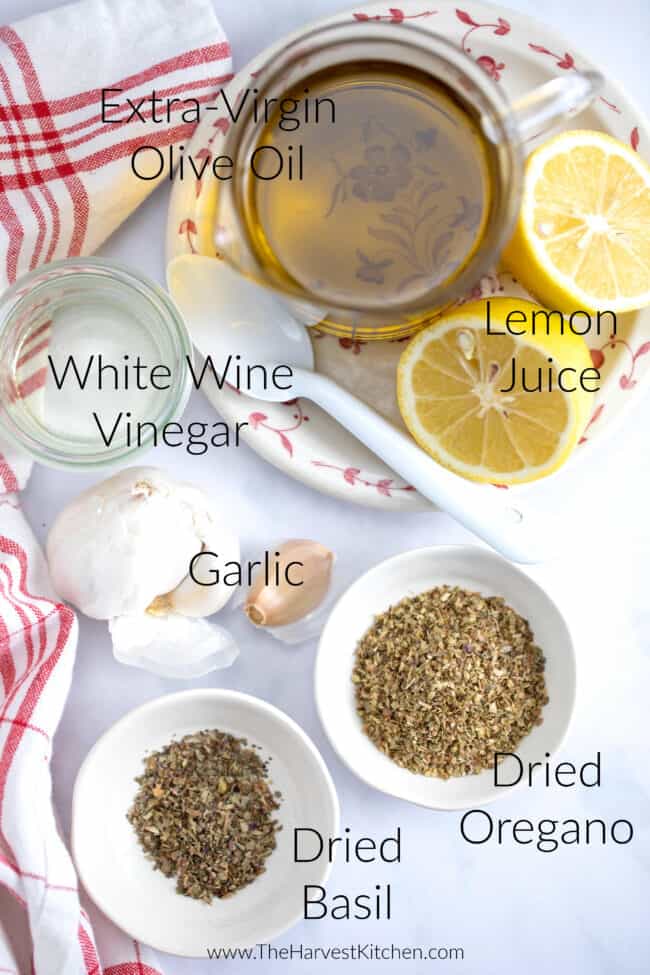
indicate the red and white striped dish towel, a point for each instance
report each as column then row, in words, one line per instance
column 65, row 175
column 65, row 185
column 38, row 638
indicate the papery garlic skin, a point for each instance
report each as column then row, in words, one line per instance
column 154, row 642
column 125, row 545
column 279, row 605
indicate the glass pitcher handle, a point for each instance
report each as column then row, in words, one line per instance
column 549, row 105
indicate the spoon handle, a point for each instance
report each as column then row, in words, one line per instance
column 515, row 533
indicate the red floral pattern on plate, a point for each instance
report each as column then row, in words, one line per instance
column 490, row 66
column 502, row 27
column 259, row 421
column 598, row 412
column 188, row 228
column 626, row 380
column 354, row 477
column 394, row 15
column 566, row 61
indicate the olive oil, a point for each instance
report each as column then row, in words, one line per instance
column 382, row 201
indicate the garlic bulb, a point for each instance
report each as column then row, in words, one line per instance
column 121, row 551
column 271, row 604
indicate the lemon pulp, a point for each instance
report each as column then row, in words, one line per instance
column 582, row 240
column 454, row 394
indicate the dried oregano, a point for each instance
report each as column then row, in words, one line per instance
column 447, row 678
column 204, row 813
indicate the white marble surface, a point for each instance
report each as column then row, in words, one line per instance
column 512, row 909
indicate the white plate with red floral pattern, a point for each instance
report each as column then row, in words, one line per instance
column 301, row 439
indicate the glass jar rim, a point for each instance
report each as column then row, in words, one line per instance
column 167, row 315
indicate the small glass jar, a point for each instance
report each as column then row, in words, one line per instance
column 94, row 360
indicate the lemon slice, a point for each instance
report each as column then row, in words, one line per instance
column 582, row 240
column 450, row 387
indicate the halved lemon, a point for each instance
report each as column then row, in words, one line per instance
column 453, row 389
column 582, row 239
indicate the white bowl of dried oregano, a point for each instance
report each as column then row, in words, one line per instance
column 443, row 674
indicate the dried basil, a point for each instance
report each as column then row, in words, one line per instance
column 204, row 813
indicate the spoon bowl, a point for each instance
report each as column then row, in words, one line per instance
column 276, row 361
column 254, row 327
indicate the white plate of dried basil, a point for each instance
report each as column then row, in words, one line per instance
column 183, row 818
column 439, row 663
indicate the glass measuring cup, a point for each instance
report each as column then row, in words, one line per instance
column 383, row 228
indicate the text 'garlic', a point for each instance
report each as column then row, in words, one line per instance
column 273, row 605
column 121, row 552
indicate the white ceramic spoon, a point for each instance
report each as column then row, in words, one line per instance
column 228, row 315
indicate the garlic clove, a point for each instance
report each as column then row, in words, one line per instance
column 268, row 604
column 172, row 646
column 191, row 598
